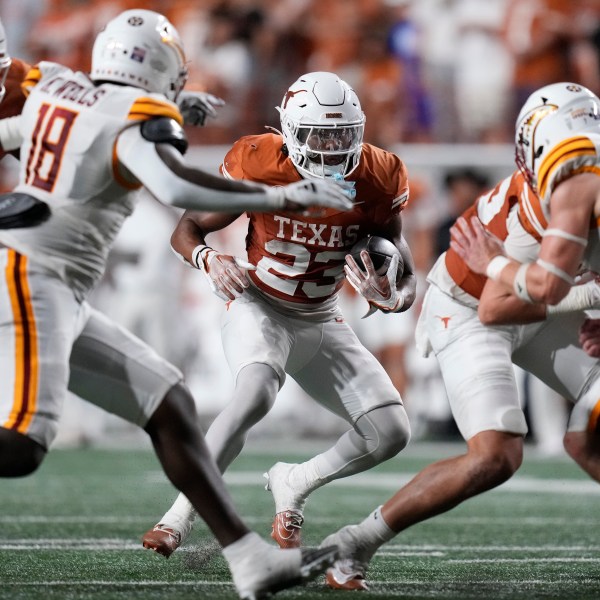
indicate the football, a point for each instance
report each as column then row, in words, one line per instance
column 381, row 252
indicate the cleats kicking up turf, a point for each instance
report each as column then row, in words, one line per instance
column 164, row 539
column 348, row 571
column 260, row 569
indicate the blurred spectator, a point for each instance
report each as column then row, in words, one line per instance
column 66, row 32
column 222, row 62
column 378, row 80
column 483, row 72
column 334, row 27
column 412, row 95
column 541, row 35
column 436, row 23
column 586, row 52
column 18, row 16
column 462, row 187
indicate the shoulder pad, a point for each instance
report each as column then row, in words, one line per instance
column 162, row 130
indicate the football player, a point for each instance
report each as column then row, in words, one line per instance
column 87, row 143
column 282, row 316
column 475, row 358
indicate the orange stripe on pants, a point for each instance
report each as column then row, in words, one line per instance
column 26, row 351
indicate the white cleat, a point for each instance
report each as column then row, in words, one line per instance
column 260, row 576
column 348, row 571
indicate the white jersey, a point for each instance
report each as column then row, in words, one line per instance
column 68, row 160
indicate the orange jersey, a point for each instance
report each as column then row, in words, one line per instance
column 14, row 98
column 492, row 209
column 298, row 258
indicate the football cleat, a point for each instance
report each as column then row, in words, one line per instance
column 345, row 575
column 348, row 572
column 274, row 570
column 289, row 503
column 287, row 527
column 164, row 539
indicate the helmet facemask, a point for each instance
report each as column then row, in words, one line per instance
column 326, row 152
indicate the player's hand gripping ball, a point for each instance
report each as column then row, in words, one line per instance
column 381, row 252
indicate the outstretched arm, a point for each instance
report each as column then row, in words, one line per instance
column 161, row 169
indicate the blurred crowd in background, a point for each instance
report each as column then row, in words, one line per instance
column 425, row 70
column 430, row 72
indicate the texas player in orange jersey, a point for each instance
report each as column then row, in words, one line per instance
column 475, row 358
column 282, row 315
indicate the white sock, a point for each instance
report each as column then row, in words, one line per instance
column 305, row 477
column 182, row 513
column 374, row 530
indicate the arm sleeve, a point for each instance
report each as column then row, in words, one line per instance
column 162, row 171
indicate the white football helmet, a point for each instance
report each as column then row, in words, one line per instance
column 5, row 61
column 140, row 48
column 551, row 114
column 322, row 125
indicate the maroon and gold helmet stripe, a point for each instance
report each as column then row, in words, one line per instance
column 147, row 108
column 26, row 344
column 566, row 150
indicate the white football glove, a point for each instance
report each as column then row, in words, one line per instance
column 196, row 107
column 380, row 291
column 309, row 194
column 585, row 296
column 226, row 274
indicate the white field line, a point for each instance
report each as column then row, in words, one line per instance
column 527, row 560
column 389, row 481
column 201, row 582
column 393, row 550
column 117, row 582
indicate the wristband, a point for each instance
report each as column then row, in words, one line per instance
column 495, row 266
column 520, row 283
column 199, row 256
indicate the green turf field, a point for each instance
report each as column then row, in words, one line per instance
column 72, row 531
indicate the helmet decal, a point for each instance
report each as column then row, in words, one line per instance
column 551, row 115
column 140, row 48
